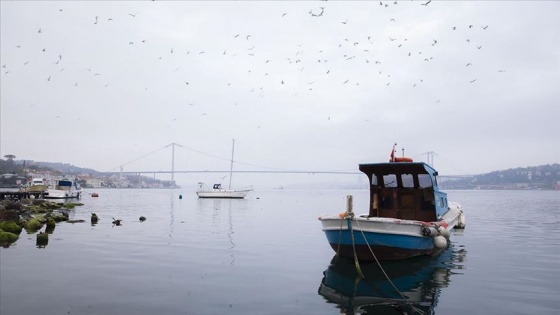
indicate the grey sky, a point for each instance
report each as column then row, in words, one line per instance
column 104, row 83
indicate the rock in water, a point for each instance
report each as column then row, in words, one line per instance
column 94, row 218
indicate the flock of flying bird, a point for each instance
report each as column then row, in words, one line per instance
column 363, row 52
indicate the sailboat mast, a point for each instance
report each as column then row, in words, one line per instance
column 231, row 165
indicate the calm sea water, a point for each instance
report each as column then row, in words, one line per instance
column 268, row 255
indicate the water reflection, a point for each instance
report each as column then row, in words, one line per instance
column 223, row 213
column 419, row 280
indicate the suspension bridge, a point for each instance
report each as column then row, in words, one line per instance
column 255, row 169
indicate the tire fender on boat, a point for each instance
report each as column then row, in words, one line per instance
column 430, row 231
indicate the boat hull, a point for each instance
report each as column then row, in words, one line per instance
column 227, row 194
column 62, row 194
column 386, row 238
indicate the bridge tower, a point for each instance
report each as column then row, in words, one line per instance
column 430, row 158
column 172, row 145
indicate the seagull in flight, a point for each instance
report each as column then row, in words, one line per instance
column 133, row 15
column 426, row 4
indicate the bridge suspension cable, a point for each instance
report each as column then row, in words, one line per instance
column 138, row 158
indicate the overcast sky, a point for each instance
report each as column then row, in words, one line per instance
column 300, row 85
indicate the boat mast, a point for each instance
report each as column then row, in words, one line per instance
column 231, row 165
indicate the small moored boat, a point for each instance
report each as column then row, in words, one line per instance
column 408, row 215
column 64, row 188
column 217, row 191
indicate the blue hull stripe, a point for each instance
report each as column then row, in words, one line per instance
column 379, row 239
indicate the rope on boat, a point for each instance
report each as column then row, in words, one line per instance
column 356, row 262
column 349, row 216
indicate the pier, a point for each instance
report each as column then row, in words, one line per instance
column 18, row 195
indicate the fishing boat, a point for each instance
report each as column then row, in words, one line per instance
column 408, row 214
column 63, row 189
column 218, row 191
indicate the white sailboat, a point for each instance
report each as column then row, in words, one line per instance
column 217, row 191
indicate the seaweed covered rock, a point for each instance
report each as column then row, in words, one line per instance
column 13, row 206
column 59, row 216
column 42, row 239
column 71, row 205
column 94, row 218
column 7, row 238
column 51, row 224
column 51, row 205
column 10, row 226
column 9, row 215
column 33, row 225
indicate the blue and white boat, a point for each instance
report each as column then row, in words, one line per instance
column 408, row 215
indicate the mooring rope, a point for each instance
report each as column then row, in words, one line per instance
column 383, row 271
column 356, row 262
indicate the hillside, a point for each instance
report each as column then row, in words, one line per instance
column 532, row 177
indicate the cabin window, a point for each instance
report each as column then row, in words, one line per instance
column 407, row 180
column 441, row 202
column 390, row 180
column 373, row 180
column 424, row 180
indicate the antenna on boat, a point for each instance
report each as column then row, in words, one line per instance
column 393, row 153
column 403, row 152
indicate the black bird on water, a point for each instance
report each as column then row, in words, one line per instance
column 116, row 222
column 142, row 218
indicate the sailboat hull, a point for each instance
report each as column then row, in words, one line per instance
column 223, row 193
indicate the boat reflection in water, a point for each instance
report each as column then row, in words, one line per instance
column 418, row 279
